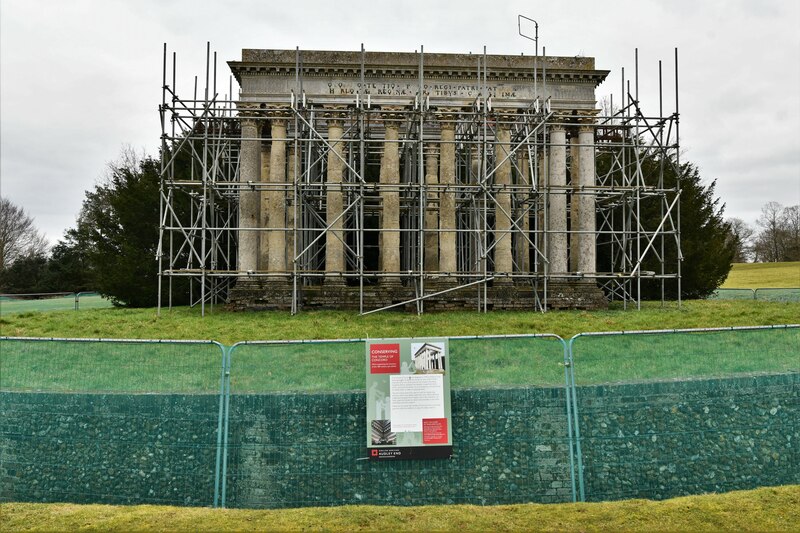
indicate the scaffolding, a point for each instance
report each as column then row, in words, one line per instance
column 203, row 196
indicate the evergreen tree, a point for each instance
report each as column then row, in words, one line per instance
column 116, row 238
column 706, row 246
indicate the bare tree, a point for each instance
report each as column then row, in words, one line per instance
column 790, row 220
column 18, row 236
column 779, row 238
column 769, row 244
column 740, row 235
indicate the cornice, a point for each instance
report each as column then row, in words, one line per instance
column 410, row 73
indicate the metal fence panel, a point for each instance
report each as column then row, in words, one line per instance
column 297, row 424
column 58, row 301
column 95, row 421
column 778, row 294
column 662, row 414
column 732, row 294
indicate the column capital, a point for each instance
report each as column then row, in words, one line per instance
column 586, row 117
column 447, row 117
column 277, row 113
column 391, row 113
column 335, row 115
column 503, row 116
column 249, row 113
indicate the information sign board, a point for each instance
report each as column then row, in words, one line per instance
column 408, row 399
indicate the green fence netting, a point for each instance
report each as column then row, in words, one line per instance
column 768, row 294
column 283, row 424
column 109, row 421
column 62, row 301
column 733, row 294
column 296, row 427
column 661, row 414
column 778, row 295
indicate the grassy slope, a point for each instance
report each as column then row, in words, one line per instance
column 337, row 366
column 756, row 275
column 229, row 328
column 766, row 509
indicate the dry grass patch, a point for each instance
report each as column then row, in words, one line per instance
column 766, row 509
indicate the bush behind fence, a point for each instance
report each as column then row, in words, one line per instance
column 282, row 424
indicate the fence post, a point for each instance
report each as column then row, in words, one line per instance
column 574, row 399
column 226, row 416
column 567, row 397
column 217, row 467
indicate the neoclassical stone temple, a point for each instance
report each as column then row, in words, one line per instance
column 371, row 181
column 430, row 181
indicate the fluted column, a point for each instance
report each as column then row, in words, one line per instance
column 574, row 204
column 431, row 213
column 390, row 196
column 276, row 201
column 288, row 201
column 521, row 251
column 447, row 199
column 334, row 239
column 249, row 175
column 557, row 208
column 263, row 252
column 541, row 198
column 587, row 251
column 503, row 263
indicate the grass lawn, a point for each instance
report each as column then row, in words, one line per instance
column 766, row 509
column 229, row 328
column 763, row 275
column 340, row 366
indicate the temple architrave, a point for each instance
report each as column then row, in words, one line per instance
column 372, row 180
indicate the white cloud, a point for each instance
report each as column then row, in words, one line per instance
column 80, row 79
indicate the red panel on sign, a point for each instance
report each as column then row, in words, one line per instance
column 434, row 431
column 384, row 359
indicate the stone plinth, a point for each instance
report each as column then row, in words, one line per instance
column 265, row 294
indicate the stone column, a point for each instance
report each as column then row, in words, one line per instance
column 276, row 198
column 288, row 198
column 574, row 204
column 475, row 177
column 587, row 251
column 263, row 254
column 503, row 263
column 557, row 207
column 334, row 239
column 447, row 199
column 431, row 212
column 541, row 198
column 390, row 196
column 522, row 246
column 249, row 175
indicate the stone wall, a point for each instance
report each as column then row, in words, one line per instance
column 258, row 295
column 666, row 439
column 652, row 440
column 509, row 446
column 108, row 448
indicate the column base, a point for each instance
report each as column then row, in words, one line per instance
column 334, row 280
column 390, row 283
column 502, row 280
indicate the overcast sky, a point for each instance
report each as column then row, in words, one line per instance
column 79, row 80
